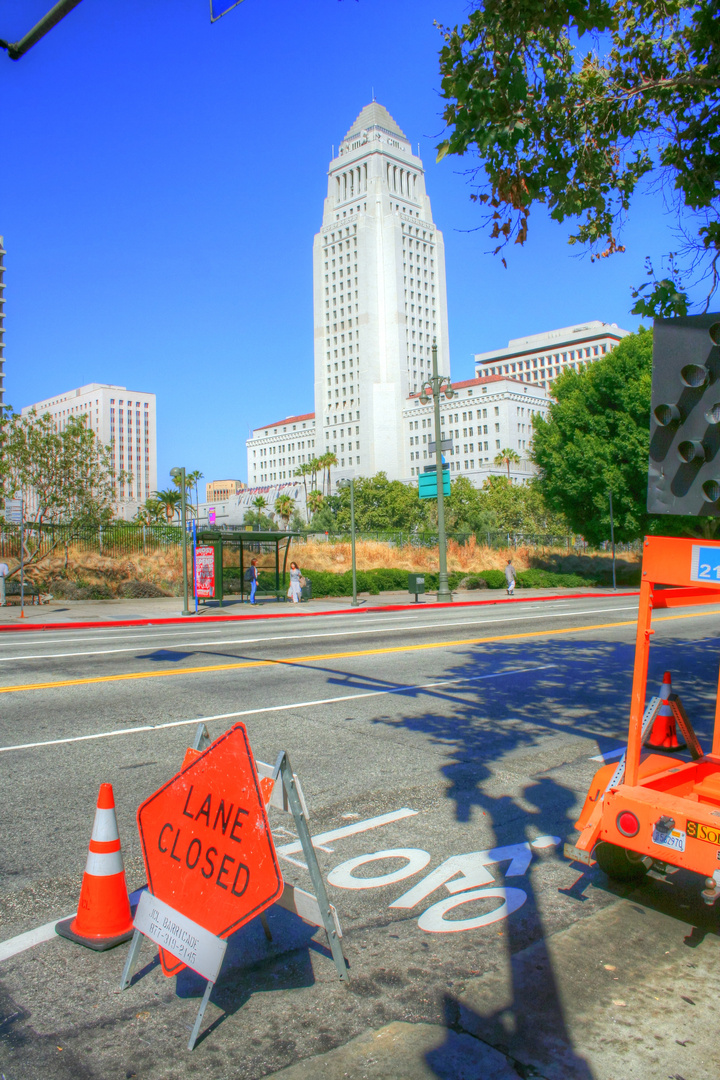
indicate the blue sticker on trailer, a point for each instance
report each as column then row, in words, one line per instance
column 705, row 564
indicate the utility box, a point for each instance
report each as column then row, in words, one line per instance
column 416, row 585
column 306, row 590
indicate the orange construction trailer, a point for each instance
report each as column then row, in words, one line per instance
column 655, row 810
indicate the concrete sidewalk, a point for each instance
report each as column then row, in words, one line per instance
column 626, row 994
column 65, row 613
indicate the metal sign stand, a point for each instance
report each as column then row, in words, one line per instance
column 315, row 909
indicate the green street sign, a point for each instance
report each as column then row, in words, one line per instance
column 427, row 483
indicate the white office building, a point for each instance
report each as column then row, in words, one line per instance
column 539, row 358
column 379, row 296
column 122, row 419
column 275, row 450
column 484, row 417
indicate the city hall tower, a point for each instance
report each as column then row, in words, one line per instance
column 379, row 297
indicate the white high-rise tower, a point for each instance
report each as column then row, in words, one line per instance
column 379, row 297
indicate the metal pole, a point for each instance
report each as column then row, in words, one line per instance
column 194, row 567
column 352, row 542
column 444, row 595
column 58, row 12
column 183, row 525
column 22, row 561
column 612, row 538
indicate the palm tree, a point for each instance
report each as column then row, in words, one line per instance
column 327, row 461
column 315, row 501
column 169, row 500
column 284, row 508
column 315, row 467
column 260, row 502
column 192, row 480
column 304, row 470
column 507, row 457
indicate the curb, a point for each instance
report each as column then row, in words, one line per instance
column 183, row 619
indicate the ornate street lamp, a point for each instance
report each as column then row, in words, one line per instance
column 433, row 388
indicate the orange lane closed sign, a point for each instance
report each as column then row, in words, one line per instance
column 206, row 841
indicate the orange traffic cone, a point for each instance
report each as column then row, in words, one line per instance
column 664, row 730
column 103, row 917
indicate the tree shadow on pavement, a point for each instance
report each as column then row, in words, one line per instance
column 493, row 736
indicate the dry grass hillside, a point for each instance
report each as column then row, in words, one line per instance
column 88, row 575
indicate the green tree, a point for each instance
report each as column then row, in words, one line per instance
column 315, row 501
column 596, row 438
column 305, row 470
column 283, row 508
column 584, row 128
column 63, row 475
column 170, row 501
column 520, row 509
column 259, row 502
column 151, row 512
column 381, row 505
column 506, row 458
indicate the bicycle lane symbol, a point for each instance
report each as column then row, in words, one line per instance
column 466, row 877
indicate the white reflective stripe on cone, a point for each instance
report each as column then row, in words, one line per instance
column 104, row 863
column 105, row 826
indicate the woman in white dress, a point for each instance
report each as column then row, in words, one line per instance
column 295, row 586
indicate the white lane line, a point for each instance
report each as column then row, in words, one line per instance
column 271, row 708
column 328, row 634
column 348, row 830
column 611, row 755
column 98, row 637
column 28, row 940
column 19, row 944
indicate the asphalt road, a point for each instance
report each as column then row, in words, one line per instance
column 463, row 730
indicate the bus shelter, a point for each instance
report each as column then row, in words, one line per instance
column 232, row 555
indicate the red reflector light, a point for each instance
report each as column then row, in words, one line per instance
column 627, row 823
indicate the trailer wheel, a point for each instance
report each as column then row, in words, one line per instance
column 619, row 863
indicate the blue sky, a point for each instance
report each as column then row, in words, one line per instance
column 162, row 179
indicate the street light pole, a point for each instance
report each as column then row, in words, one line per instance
column 179, row 474
column 434, row 386
column 612, row 537
column 351, row 484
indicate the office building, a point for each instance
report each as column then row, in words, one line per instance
column 223, row 489
column 540, row 358
column 122, row 419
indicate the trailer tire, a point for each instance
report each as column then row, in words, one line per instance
column 619, row 863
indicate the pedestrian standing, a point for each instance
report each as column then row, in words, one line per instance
column 4, row 571
column 295, row 591
column 253, row 581
column 510, row 577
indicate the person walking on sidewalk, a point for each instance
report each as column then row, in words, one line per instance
column 295, row 591
column 253, row 572
column 510, row 578
column 4, row 571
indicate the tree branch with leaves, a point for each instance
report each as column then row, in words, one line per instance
column 583, row 105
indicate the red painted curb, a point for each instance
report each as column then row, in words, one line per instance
column 180, row 619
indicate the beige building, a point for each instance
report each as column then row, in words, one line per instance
column 223, row 489
column 540, row 358
column 122, row 419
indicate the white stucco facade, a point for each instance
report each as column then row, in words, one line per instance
column 483, row 417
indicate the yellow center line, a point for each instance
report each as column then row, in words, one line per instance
column 290, row 661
